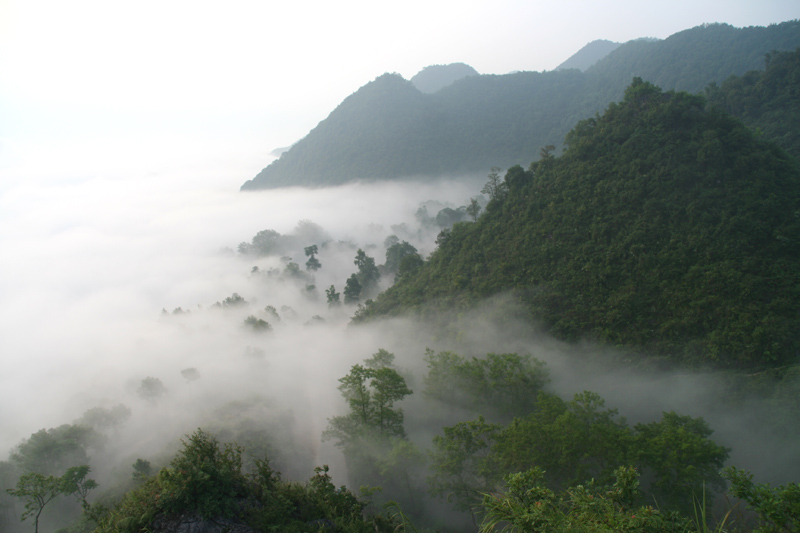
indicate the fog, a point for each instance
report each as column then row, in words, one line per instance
column 90, row 264
column 96, row 264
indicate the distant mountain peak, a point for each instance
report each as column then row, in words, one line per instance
column 435, row 77
column 589, row 55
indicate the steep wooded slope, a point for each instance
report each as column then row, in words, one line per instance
column 767, row 101
column 664, row 226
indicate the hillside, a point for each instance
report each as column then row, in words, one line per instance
column 388, row 129
column 435, row 77
column 767, row 101
column 589, row 55
column 664, row 227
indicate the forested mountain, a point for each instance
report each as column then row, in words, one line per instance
column 767, row 102
column 589, row 55
column 665, row 225
column 389, row 129
column 435, row 77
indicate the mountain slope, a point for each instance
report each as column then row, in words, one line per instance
column 389, row 129
column 589, row 55
column 767, row 101
column 664, row 226
column 435, row 77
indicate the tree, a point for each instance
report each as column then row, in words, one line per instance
column 190, row 374
column 204, row 477
column 52, row 451
column 36, row 490
column 103, row 419
column 74, row 482
column 571, row 441
column 474, row 209
column 527, row 504
column 395, row 254
column 234, row 300
column 462, row 465
column 368, row 274
column 258, row 324
column 265, row 242
column 333, row 296
column 151, row 389
column 352, row 290
column 503, row 385
column 312, row 263
column 777, row 507
column 496, row 189
column 373, row 420
column 678, row 453
column 409, row 265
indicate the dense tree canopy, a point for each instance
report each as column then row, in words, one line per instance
column 664, row 225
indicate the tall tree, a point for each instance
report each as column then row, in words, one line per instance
column 352, row 290
column 368, row 274
column 312, row 263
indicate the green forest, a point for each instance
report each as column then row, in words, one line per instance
column 666, row 226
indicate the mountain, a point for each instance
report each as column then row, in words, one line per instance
column 589, row 55
column 767, row 101
column 389, row 129
column 435, row 77
column 665, row 226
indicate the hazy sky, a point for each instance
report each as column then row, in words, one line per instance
column 255, row 75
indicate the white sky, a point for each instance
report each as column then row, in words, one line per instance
column 248, row 76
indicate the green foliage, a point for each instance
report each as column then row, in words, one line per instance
column 232, row 301
column 664, row 227
column 352, row 290
column 528, row 505
column 142, row 470
column 572, row 441
column 257, row 324
column 371, row 392
column 368, row 274
column 681, row 458
column 395, row 255
column 37, row 490
column 503, row 385
column 462, row 464
column 313, row 263
column 102, row 419
column 332, row 296
column 203, row 478
column 151, row 389
column 778, row 508
column 266, row 242
column 206, row 479
column 52, row 451
column 766, row 101
column 474, row 209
